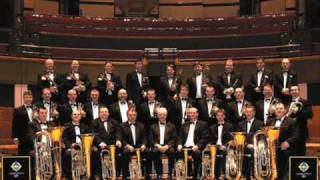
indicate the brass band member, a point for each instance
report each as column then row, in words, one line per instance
column 108, row 84
column 288, row 139
column 301, row 114
column 133, row 136
column 92, row 107
column 194, row 134
column 70, row 137
column 220, row 135
column 107, row 133
column 52, row 112
column 78, row 81
column 163, row 140
column 250, row 126
column 22, row 117
column 137, row 83
column 118, row 110
column 52, row 80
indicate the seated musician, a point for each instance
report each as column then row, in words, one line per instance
column 194, row 135
column 133, row 139
column 107, row 133
column 250, row 126
column 220, row 135
column 163, row 140
column 71, row 139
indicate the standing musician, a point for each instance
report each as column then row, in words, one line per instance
column 220, row 135
column 163, row 140
column 78, row 81
column 118, row 110
column 194, row 134
column 133, row 137
column 71, row 137
column 137, row 83
column 92, row 107
column 107, row 133
column 52, row 113
column 288, row 139
column 108, row 85
column 250, row 126
column 302, row 113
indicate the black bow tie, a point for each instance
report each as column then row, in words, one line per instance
column 122, row 102
column 151, row 102
column 46, row 102
column 76, row 125
column 95, row 104
column 132, row 124
column 73, row 104
column 268, row 99
column 209, row 100
column 278, row 119
column 239, row 102
column 29, row 107
column 220, row 124
column 184, row 99
column 163, row 124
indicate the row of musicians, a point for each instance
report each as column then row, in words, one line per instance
column 163, row 137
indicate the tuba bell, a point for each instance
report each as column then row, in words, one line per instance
column 208, row 162
column 108, row 162
column 265, row 154
column 234, row 157
column 135, row 166
column 43, row 155
column 56, row 137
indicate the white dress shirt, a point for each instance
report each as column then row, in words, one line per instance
column 76, row 75
column 162, row 128
column 77, row 130
column 190, row 138
column 220, row 129
column 229, row 79
column 266, row 107
column 285, row 79
column 139, row 78
column 249, row 124
column 108, row 76
column 259, row 77
column 199, row 86
column 279, row 122
column 47, row 106
column 133, row 132
column 95, row 110
column 151, row 109
column 29, row 111
column 105, row 124
column 183, row 108
column 123, row 111
column 170, row 80
column 209, row 103
column 240, row 105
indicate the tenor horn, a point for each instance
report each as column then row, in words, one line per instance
column 56, row 137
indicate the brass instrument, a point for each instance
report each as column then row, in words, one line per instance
column 181, row 166
column 52, row 83
column 109, row 83
column 156, row 107
column 43, row 156
column 264, row 143
column 56, row 137
column 214, row 108
column 78, row 162
column 234, row 157
column 131, row 105
column 205, row 77
column 165, row 164
column 108, row 161
column 294, row 108
column 87, row 140
column 178, row 76
column 54, row 113
column 208, row 162
column 135, row 166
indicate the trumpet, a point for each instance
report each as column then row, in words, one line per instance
column 135, row 166
column 265, row 153
column 208, row 162
column 43, row 156
column 56, row 137
column 234, row 157
column 108, row 159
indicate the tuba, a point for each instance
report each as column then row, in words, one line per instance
column 208, row 162
column 265, row 153
column 135, row 166
column 234, row 157
column 56, row 137
column 108, row 161
column 43, row 156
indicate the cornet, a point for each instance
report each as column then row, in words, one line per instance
column 108, row 161
column 135, row 166
column 208, row 162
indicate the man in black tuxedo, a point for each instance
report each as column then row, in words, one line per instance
column 228, row 81
column 65, row 110
column 133, row 137
column 118, row 110
column 265, row 107
column 148, row 110
column 78, row 81
column 258, row 79
column 52, row 80
column 163, row 140
column 179, row 107
column 137, row 83
column 301, row 114
column 92, row 108
column 194, row 135
column 209, row 105
column 288, row 139
column 250, row 126
column 220, row 135
column 72, row 140
column 169, row 84
column 107, row 133
column 235, row 108
column 52, row 113
column 108, row 85
column 198, row 81
column 284, row 80
column 22, row 117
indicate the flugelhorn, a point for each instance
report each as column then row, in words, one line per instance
column 208, row 162
column 135, row 166
column 43, row 155
column 56, row 137
column 108, row 161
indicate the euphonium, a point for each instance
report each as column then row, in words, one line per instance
column 78, row 162
column 43, row 156
column 135, row 166
column 108, row 161
column 234, row 157
column 56, row 137
column 208, row 162
column 181, row 166
column 87, row 140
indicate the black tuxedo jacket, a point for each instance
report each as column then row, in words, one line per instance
column 222, row 81
column 201, row 134
column 69, row 134
column 65, row 112
column 35, row 127
column 170, row 135
column 115, row 112
column 175, row 111
column 232, row 112
column 192, row 83
column 110, row 136
column 52, row 104
column 105, row 98
column 226, row 133
column 87, row 107
column 126, row 134
column 145, row 117
column 266, row 78
column 292, row 80
column 203, row 110
column 43, row 82
column 260, row 108
column 133, row 86
column 69, row 83
column 255, row 126
column 165, row 92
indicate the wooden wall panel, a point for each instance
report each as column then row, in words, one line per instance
column 273, row 6
column 181, row 12
column 97, row 10
column 221, row 11
column 46, row 7
column 314, row 124
column 28, row 4
column 6, row 122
